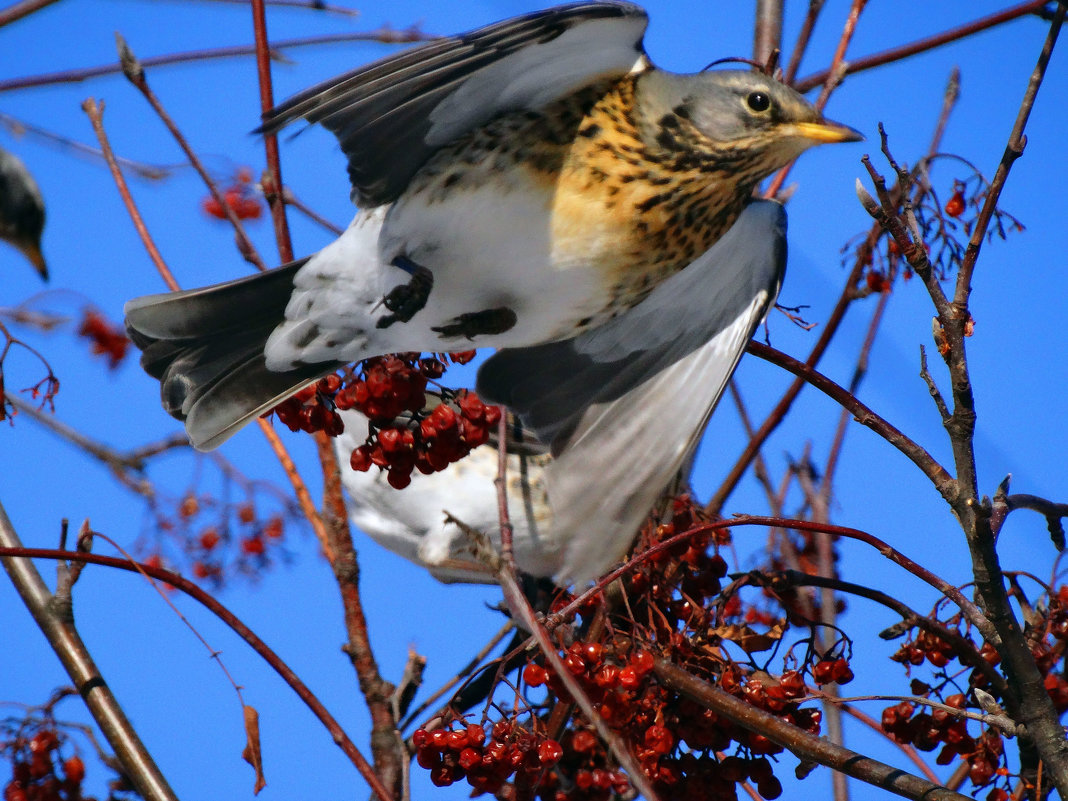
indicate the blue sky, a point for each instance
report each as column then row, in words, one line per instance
column 175, row 694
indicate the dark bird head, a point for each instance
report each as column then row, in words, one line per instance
column 22, row 212
column 746, row 120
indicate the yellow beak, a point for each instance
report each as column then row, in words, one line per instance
column 825, row 132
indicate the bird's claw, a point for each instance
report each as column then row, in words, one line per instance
column 407, row 299
column 472, row 324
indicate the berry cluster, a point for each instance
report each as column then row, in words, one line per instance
column 926, row 730
column 983, row 752
column 239, row 196
column 391, row 392
column 677, row 743
column 686, row 751
column 452, row 755
column 836, row 671
column 39, row 772
column 215, row 539
column 106, row 338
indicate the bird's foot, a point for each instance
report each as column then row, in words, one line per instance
column 407, row 299
column 472, row 324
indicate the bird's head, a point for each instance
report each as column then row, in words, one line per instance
column 755, row 123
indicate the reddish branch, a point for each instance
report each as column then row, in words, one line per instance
column 22, row 9
column 96, row 117
column 939, row 476
column 387, row 747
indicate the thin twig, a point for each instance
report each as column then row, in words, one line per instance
column 96, row 117
column 18, row 128
column 525, row 617
column 922, row 45
column 292, row 200
column 804, row 36
column 964, row 648
column 309, row 5
column 22, row 9
column 387, row 746
column 385, row 35
column 135, row 73
column 834, row 78
column 939, row 476
column 468, row 669
column 767, row 30
column 907, row 749
column 119, row 462
column 1013, row 150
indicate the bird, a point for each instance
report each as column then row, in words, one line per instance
column 528, row 186
column 22, row 210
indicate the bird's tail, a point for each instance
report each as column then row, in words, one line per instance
column 206, row 348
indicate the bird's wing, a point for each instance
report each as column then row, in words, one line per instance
column 625, row 404
column 551, row 386
column 390, row 116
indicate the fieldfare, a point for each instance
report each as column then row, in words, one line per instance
column 22, row 211
column 537, row 186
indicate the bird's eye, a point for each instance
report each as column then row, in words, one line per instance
column 758, row 101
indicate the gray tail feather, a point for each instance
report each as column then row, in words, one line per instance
column 206, row 348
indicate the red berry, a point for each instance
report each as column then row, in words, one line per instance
column 74, row 769
column 212, row 207
column 842, row 673
column 823, row 672
column 955, row 205
column 43, row 742
column 273, row 529
column 549, row 752
column 770, row 788
column 253, row 546
column 659, row 739
column 469, row 757
column 583, row 741
column 399, row 479
column 642, row 662
column 629, row 678
column 360, row 460
column 575, row 664
column 472, row 406
column 535, row 675
column 606, row 677
column 209, row 538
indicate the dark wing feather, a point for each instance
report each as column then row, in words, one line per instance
column 206, row 348
column 551, row 386
column 390, row 116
